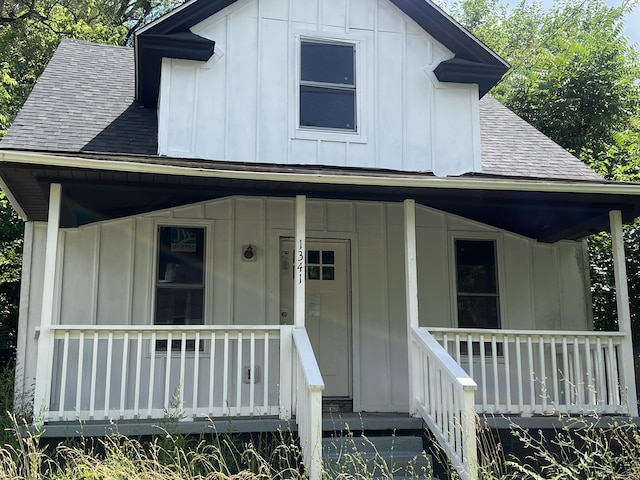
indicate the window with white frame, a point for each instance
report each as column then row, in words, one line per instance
column 180, row 279
column 327, row 85
column 477, row 292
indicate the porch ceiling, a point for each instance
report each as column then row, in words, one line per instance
column 91, row 195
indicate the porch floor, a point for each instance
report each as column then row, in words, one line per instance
column 331, row 422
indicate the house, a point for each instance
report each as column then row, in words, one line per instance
column 267, row 205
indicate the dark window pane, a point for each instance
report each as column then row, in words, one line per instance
column 327, row 63
column 327, row 107
column 477, row 312
column 328, row 273
column 180, row 255
column 176, row 345
column 313, row 257
column 328, row 257
column 179, row 306
column 313, row 273
column 476, row 266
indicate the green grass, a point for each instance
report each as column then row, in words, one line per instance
column 578, row 450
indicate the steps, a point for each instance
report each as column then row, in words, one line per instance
column 380, row 456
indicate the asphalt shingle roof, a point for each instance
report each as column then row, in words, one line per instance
column 84, row 102
column 512, row 147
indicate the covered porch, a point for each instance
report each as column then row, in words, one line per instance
column 104, row 372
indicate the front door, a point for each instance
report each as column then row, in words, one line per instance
column 327, row 307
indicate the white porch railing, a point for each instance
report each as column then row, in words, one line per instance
column 443, row 395
column 540, row 372
column 308, row 387
column 137, row 372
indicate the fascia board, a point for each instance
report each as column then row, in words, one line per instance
column 461, row 183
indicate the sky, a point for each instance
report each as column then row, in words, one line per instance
column 632, row 21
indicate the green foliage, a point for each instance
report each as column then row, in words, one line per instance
column 574, row 75
column 29, row 34
column 31, row 31
column 11, row 231
column 576, row 78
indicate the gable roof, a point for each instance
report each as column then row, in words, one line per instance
column 84, row 102
column 95, row 139
column 170, row 37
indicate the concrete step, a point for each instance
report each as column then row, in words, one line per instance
column 389, row 456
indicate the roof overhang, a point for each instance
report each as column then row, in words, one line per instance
column 152, row 48
column 97, row 188
column 170, row 37
column 457, row 70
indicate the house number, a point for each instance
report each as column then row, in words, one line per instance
column 300, row 262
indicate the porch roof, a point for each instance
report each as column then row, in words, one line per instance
column 99, row 187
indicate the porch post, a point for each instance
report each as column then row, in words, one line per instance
column 300, row 252
column 44, row 370
column 624, row 315
column 287, row 357
column 411, row 289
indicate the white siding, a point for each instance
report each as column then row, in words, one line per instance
column 108, row 271
column 242, row 104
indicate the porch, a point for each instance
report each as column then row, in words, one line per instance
column 197, row 374
column 146, row 372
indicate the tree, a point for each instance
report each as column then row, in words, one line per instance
column 29, row 33
column 576, row 78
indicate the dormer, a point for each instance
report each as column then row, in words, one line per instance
column 355, row 83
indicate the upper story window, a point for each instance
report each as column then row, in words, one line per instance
column 328, row 85
column 477, row 284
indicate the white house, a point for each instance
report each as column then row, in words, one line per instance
column 268, row 205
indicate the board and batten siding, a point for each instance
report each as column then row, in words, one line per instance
column 242, row 104
column 106, row 277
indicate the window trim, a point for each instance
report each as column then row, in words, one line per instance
column 324, row 133
column 207, row 277
column 497, row 238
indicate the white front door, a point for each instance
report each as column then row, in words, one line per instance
column 327, row 307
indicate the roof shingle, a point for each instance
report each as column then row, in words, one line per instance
column 84, row 102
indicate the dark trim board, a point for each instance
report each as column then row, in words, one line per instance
column 354, row 422
column 554, row 422
column 95, row 195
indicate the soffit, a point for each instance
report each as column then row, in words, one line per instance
column 96, row 195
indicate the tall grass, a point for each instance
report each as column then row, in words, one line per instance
column 117, row 457
column 581, row 448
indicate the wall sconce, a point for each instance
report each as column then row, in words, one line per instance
column 249, row 253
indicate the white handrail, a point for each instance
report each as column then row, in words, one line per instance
column 162, row 328
column 308, row 403
column 444, row 398
column 540, row 372
column 506, row 332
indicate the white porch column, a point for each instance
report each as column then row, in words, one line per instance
column 411, row 288
column 45, row 340
column 300, row 253
column 624, row 315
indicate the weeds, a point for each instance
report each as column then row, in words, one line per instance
column 581, row 448
column 117, row 457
